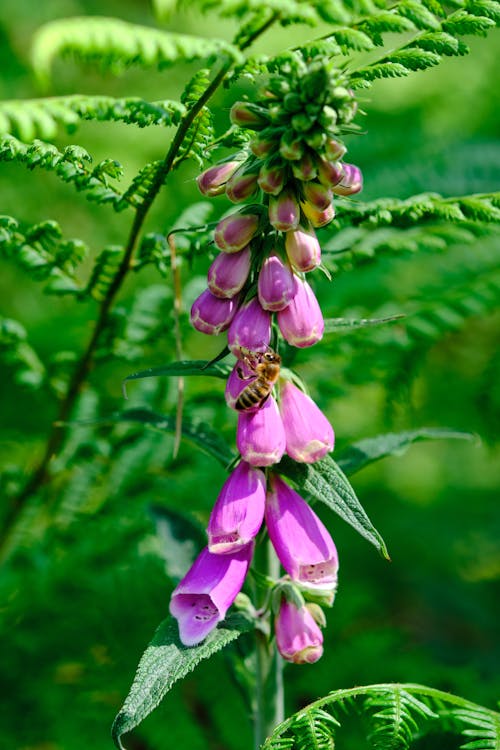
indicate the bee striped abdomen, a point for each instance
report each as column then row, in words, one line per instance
column 253, row 395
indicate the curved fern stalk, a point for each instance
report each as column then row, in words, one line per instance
column 116, row 45
column 28, row 119
column 402, row 710
column 69, row 165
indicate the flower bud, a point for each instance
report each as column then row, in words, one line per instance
column 301, row 122
column 352, row 181
column 309, row 434
column 315, row 139
column 265, row 143
column 272, row 178
column 235, row 231
column 334, row 149
column 206, row 592
column 298, row 636
column 317, row 195
column 239, row 510
column 300, row 539
column 212, row 315
column 328, row 118
column 213, row 180
column 260, row 436
column 316, row 217
column 284, row 211
column 228, row 273
column 242, row 184
column 303, row 249
column 250, row 329
column 301, row 323
column 291, row 147
column 248, row 115
column 304, row 169
column 329, row 172
column 276, row 287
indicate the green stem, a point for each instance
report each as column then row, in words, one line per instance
column 268, row 703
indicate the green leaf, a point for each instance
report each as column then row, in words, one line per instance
column 325, row 481
column 117, row 44
column 181, row 539
column 364, row 452
column 199, row 433
column 166, row 661
column 189, row 367
column 340, row 324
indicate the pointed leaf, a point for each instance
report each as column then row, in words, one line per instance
column 338, row 324
column 201, row 434
column 166, row 661
column 190, row 367
column 325, row 481
column 364, row 452
column 181, row 539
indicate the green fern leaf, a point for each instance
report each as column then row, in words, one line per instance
column 352, row 39
column 462, row 23
column 314, row 729
column 395, row 719
column 16, row 353
column 419, row 15
column 485, row 8
column 485, row 729
column 415, row 59
column 103, row 273
column 116, row 45
column 201, row 132
column 378, row 70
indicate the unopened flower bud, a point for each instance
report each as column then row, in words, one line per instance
column 304, row 169
column 276, row 287
column 248, row 115
column 292, row 102
column 291, row 147
column 317, row 195
column 250, row 329
column 315, row 139
column 301, row 322
column 298, row 637
column 206, row 592
column 309, row 434
column 328, row 118
column 242, row 184
column 300, row 539
column 284, row 211
column 235, row 231
column 303, row 249
column 239, row 511
column 330, row 173
column 260, row 436
column 228, row 273
column 213, row 180
column 316, row 217
column 334, row 149
column 265, row 143
column 212, row 315
column 272, row 178
column 301, row 122
column 352, row 181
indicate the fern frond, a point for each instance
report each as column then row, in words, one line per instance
column 140, row 186
column 41, row 251
column 201, row 132
column 314, row 729
column 69, row 165
column 116, row 45
column 103, row 273
column 28, row 119
column 16, row 353
column 394, row 720
column 485, row 731
column 145, row 323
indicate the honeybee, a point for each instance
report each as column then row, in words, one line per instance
column 265, row 368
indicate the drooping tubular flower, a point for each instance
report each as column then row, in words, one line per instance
column 206, row 592
column 309, row 434
column 298, row 636
column 260, row 435
column 301, row 541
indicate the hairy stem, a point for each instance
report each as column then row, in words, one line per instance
column 58, row 432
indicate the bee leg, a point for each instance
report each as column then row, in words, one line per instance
column 241, row 376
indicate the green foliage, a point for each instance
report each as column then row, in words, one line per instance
column 69, row 165
column 115, row 45
column 19, row 355
column 201, row 132
column 399, row 714
column 166, row 661
column 28, row 119
column 325, row 482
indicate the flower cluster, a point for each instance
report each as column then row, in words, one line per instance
column 294, row 161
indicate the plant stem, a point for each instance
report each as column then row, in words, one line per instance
column 268, row 704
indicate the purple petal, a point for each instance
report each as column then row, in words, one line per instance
column 260, row 435
column 239, row 511
column 250, row 329
column 303, row 249
column 301, row 322
column 212, row 315
column 228, row 273
column 298, row 637
column 309, row 434
column 276, row 286
column 206, row 592
column 235, row 231
column 302, row 543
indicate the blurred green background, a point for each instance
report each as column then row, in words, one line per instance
column 87, row 587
